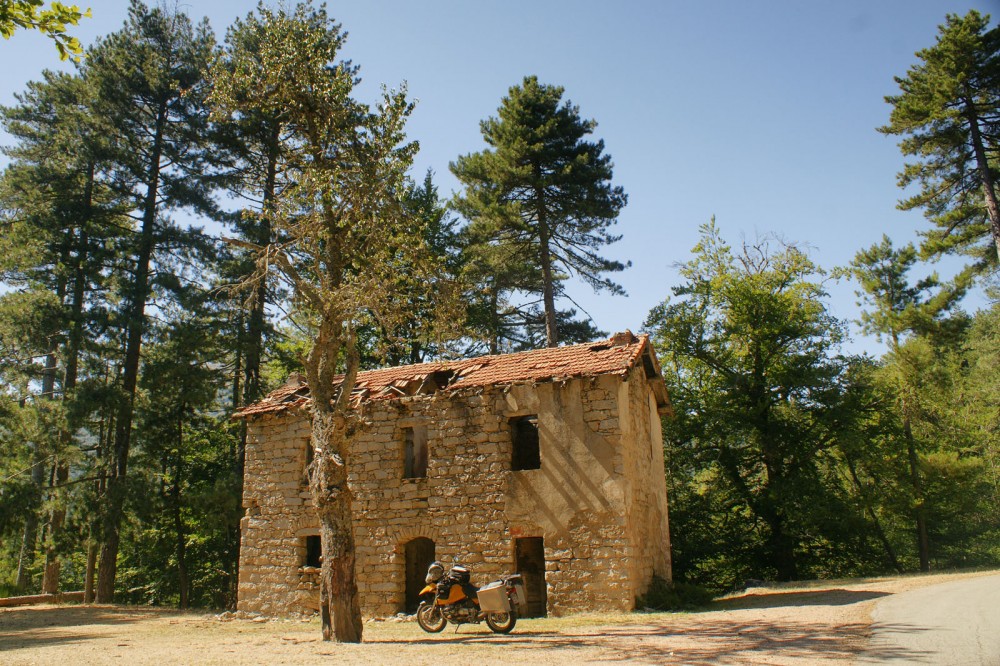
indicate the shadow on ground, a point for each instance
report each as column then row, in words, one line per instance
column 699, row 642
column 697, row 638
column 52, row 625
column 782, row 599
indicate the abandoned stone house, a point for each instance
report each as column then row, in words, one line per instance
column 546, row 462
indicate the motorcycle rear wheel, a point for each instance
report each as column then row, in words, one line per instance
column 501, row 623
column 430, row 618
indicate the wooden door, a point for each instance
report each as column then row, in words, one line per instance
column 529, row 561
column 418, row 555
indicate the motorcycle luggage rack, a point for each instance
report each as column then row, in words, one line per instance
column 493, row 598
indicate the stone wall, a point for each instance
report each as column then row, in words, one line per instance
column 596, row 500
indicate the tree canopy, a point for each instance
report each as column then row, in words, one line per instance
column 948, row 113
column 748, row 349
column 544, row 192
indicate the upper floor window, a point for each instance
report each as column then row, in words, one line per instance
column 524, row 436
column 415, row 452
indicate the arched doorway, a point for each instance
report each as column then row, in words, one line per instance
column 417, row 555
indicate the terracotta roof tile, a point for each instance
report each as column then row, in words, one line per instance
column 551, row 364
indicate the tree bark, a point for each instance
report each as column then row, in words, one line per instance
column 115, row 498
column 920, row 510
column 983, row 166
column 30, row 534
column 53, row 565
column 88, row 581
column 548, row 288
column 180, row 543
column 340, row 607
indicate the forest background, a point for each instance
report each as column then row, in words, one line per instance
column 792, row 455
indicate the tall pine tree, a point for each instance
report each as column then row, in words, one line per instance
column 150, row 78
column 948, row 113
column 544, row 191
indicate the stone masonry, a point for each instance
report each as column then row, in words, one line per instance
column 597, row 500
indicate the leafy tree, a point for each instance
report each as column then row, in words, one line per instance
column 419, row 334
column 343, row 231
column 948, row 113
column 747, row 348
column 900, row 310
column 61, row 224
column 543, row 192
column 51, row 21
column 151, row 86
column 252, row 167
column 181, row 547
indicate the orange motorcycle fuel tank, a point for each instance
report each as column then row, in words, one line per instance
column 455, row 594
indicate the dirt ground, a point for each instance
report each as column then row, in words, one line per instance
column 805, row 624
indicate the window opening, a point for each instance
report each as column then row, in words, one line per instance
column 314, row 551
column 524, row 435
column 415, row 452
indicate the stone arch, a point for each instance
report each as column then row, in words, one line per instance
column 401, row 535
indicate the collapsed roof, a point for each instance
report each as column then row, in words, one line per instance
column 616, row 356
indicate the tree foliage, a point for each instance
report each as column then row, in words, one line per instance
column 541, row 192
column 749, row 352
column 51, row 21
column 948, row 113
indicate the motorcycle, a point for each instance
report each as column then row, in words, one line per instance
column 453, row 598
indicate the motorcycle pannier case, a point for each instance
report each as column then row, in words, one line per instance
column 493, row 598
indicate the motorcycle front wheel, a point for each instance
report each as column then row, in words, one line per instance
column 501, row 623
column 430, row 618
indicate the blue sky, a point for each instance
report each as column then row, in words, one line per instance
column 760, row 113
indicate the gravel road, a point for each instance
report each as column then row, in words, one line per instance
column 949, row 624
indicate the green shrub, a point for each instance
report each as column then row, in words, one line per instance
column 663, row 595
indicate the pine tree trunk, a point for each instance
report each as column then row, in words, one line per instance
column 923, row 540
column 548, row 287
column 495, row 321
column 781, row 546
column 985, row 172
column 53, row 566
column 30, row 534
column 180, row 543
column 136, row 327
column 258, row 318
column 879, row 532
column 50, row 575
column 88, row 580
